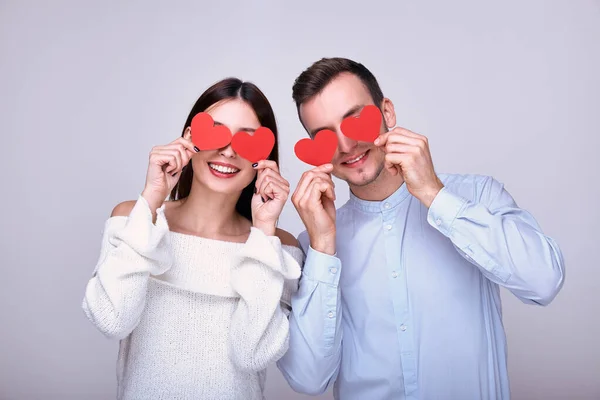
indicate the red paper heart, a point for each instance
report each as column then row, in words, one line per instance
column 206, row 136
column 318, row 151
column 254, row 147
column 365, row 127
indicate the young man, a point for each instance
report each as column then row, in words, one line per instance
column 399, row 297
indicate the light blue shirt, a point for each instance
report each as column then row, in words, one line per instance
column 409, row 308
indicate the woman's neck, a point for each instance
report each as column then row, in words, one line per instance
column 208, row 214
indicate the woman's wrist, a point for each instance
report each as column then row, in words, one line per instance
column 154, row 202
column 154, row 199
column 268, row 228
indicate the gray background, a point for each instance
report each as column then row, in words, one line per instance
column 509, row 89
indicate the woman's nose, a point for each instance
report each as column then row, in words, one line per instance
column 228, row 152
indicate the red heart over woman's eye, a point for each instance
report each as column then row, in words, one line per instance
column 318, row 151
column 254, row 147
column 365, row 127
column 206, row 136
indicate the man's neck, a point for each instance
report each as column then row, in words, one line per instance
column 380, row 189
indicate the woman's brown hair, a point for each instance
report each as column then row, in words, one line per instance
column 230, row 88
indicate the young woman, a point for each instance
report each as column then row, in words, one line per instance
column 198, row 288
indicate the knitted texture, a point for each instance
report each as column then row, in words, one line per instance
column 198, row 318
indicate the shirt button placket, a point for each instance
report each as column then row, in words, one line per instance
column 399, row 295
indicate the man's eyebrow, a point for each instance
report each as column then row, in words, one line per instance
column 353, row 110
column 241, row 129
column 348, row 113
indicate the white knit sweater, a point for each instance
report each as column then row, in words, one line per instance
column 197, row 318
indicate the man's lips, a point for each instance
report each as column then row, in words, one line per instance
column 355, row 160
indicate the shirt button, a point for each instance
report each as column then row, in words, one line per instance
column 333, row 270
column 388, row 227
column 438, row 222
column 394, row 274
column 386, row 205
column 330, row 315
column 402, row 327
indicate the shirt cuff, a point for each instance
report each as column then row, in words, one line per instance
column 444, row 209
column 322, row 267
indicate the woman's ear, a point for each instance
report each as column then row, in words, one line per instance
column 389, row 114
column 187, row 134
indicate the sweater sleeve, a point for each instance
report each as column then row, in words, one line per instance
column 264, row 276
column 133, row 248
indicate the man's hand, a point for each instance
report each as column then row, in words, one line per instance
column 407, row 153
column 314, row 200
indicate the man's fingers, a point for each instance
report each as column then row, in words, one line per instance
column 382, row 139
column 400, row 135
column 403, row 139
column 409, row 133
column 400, row 148
column 318, row 187
column 396, row 158
column 327, row 168
column 306, row 180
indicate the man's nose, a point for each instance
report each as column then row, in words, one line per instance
column 345, row 144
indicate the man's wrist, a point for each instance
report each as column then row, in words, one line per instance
column 430, row 194
column 325, row 245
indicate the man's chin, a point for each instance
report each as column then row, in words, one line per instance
column 361, row 178
column 361, row 182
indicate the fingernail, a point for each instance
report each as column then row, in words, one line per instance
column 376, row 141
column 197, row 149
column 255, row 165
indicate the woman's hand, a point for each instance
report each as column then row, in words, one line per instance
column 164, row 170
column 270, row 195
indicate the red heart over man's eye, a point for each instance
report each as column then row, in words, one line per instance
column 254, row 147
column 365, row 127
column 206, row 136
column 318, row 151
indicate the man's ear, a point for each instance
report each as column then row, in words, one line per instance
column 187, row 134
column 389, row 114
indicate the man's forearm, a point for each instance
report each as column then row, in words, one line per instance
column 314, row 354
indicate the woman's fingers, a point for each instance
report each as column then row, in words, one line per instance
column 262, row 164
column 175, row 165
column 270, row 175
column 184, row 152
column 163, row 160
column 274, row 190
column 187, row 144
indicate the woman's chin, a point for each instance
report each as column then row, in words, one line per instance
column 233, row 186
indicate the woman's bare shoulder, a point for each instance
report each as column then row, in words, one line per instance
column 123, row 209
column 286, row 238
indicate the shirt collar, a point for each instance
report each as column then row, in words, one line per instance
column 380, row 206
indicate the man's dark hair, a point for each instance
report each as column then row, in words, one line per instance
column 314, row 79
